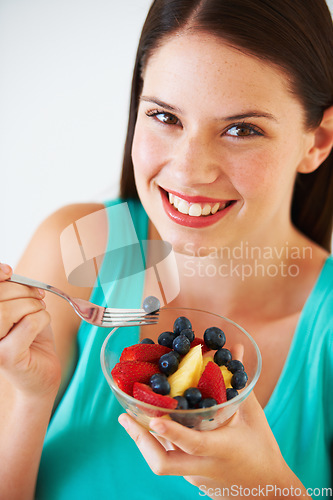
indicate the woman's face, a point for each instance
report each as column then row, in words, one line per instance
column 216, row 130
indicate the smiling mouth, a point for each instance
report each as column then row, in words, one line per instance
column 196, row 209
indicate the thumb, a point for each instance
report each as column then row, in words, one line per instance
column 5, row 272
column 251, row 411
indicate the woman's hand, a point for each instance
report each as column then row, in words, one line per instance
column 27, row 356
column 243, row 453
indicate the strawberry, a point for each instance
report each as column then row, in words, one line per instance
column 144, row 393
column 144, row 352
column 211, row 383
column 198, row 341
column 126, row 373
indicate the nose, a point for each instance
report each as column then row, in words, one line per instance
column 194, row 160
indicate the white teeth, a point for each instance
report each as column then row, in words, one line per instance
column 183, row 207
column 215, row 208
column 206, row 209
column 195, row 210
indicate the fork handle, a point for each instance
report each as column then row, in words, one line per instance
column 22, row 280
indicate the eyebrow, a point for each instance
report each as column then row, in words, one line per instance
column 242, row 116
column 154, row 100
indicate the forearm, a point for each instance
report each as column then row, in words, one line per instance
column 290, row 490
column 23, row 424
column 278, row 482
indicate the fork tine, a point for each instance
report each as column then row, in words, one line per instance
column 110, row 316
column 137, row 312
column 128, row 323
column 122, row 323
column 128, row 317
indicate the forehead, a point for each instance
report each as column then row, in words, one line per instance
column 202, row 65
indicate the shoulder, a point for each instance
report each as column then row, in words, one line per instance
column 67, row 215
column 43, row 259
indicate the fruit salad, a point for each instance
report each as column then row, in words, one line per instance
column 181, row 371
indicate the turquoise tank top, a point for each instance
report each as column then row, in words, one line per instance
column 87, row 455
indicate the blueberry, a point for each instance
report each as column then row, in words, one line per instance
column 234, row 365
column 157, row 375
column 147, row 341
column 222, row 356
column 181, row 344
column 180, row 324
column 207, row 403
column 160, row 384
column 168, row 363
column 166, row 339
column 178, row 356
column 239, row 379
column 193, row 396
column 188, row 333
column 214, row 338
column 182, row 403
column 231, row 393
column 151, row 304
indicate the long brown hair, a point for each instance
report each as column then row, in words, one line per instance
column 295, row 35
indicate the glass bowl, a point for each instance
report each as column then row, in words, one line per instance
column 203, row 418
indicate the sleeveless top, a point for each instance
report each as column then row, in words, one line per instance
column 87, row 455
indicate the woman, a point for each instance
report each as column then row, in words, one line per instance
column 231, row 114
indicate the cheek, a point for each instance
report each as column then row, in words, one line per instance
column 263, row 174
column 147, row 153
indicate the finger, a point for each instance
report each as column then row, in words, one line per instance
column 9, row 291
column 162, row 461
column 11, row 312
column 15, row 345
column 237, row 352
column 193, row 442
column 164, row 442
column 250, row 410
column 5, row 272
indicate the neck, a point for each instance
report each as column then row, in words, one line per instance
column 247, row 277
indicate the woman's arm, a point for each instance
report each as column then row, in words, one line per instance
column 34, row 359
column 29, row 380
column 24, row 422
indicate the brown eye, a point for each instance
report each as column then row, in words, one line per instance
column 242, row 130
column 167, row 118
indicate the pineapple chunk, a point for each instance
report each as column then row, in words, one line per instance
column 188, row 373
column 227, row 376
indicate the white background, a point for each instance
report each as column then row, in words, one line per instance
column 65, row 74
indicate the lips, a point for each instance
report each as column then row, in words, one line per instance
column 194, row 211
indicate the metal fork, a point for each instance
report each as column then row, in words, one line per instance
column 91, row 313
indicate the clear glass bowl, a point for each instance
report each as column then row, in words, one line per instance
column 203, row 418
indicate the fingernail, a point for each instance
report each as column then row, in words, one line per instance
column 41, row 292
column 6, row 269
column 158, row 427
column 123, row 421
